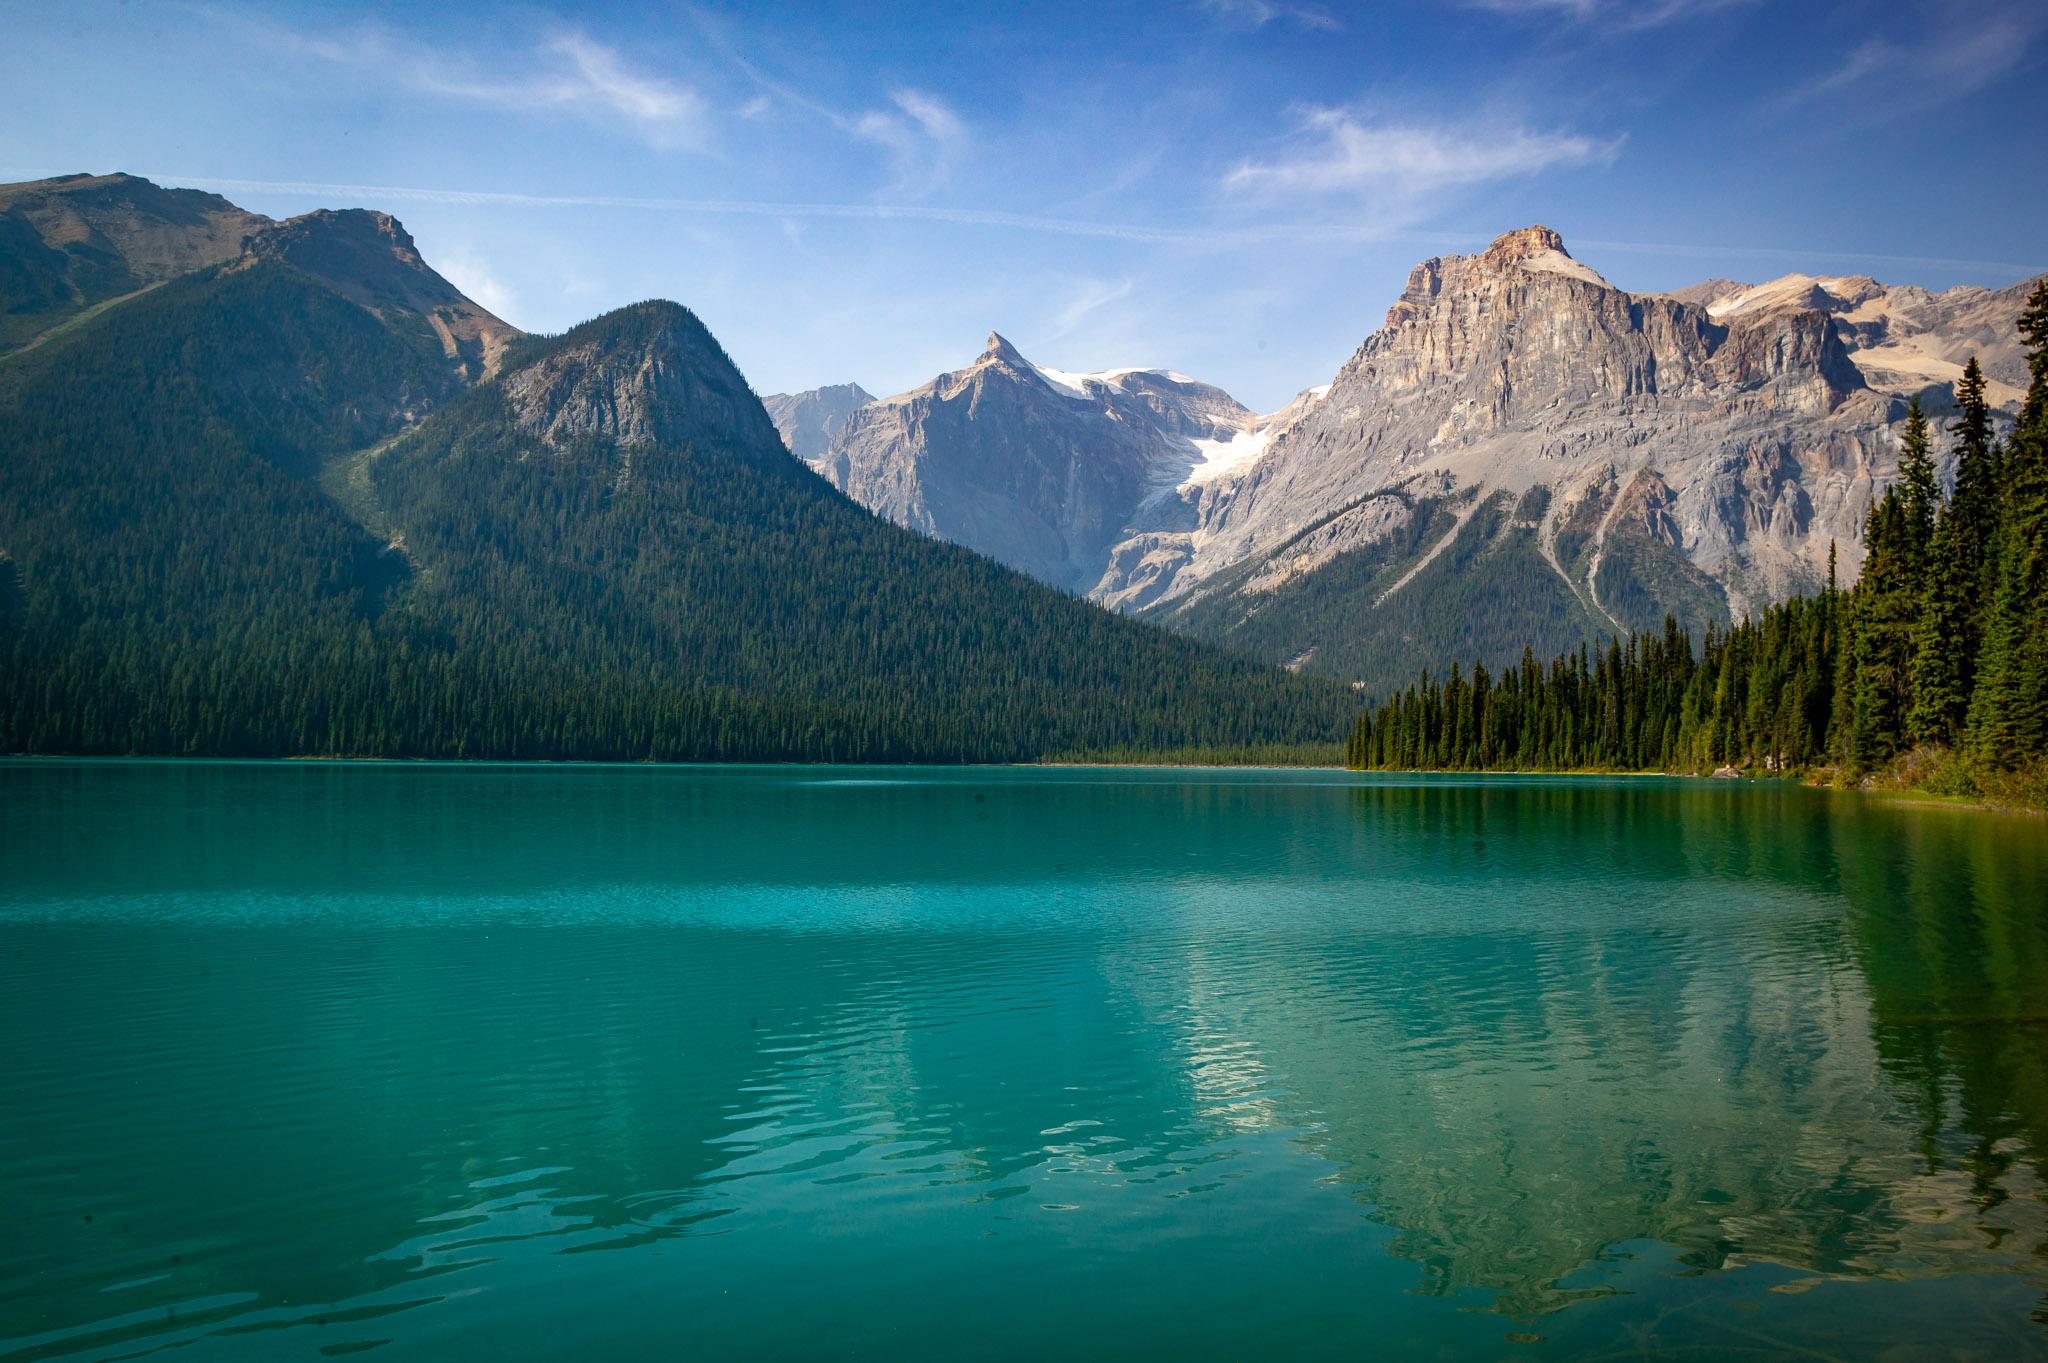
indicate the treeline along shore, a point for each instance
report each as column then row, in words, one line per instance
column 1931, row 671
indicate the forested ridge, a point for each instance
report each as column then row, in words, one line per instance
column 174, row 580
column 1931, row 669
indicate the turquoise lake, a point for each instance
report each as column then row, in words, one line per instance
column 500, row 1062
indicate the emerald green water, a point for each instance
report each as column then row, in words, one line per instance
column 529, row 1063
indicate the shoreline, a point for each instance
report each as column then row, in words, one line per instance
column 1896, row 794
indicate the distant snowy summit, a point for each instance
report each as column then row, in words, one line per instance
column 1044, row 469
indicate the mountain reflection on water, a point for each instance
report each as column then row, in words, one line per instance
column 333, row 1057
column 1857, row 1093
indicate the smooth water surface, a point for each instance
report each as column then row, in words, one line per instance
column 529, row 1063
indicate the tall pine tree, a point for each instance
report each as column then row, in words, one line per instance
column 2008, row 719
column 1939, row 677
column 1884, row 612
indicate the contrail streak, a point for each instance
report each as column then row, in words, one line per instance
column 1075, row 227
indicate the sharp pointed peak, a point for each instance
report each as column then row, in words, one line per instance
column 1000, row 349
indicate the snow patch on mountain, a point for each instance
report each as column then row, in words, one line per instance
column 1076, row 385
column 1557, row 262
column 1218, row 459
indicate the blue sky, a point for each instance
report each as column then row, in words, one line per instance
column 1233, row 188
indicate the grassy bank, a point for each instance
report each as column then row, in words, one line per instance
column 1943, row 776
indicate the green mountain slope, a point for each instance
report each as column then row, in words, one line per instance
column 226, row 533
column 76, row 242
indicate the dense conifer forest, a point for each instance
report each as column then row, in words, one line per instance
column 225, row 531
column 1932, row 669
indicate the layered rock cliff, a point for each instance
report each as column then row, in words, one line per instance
column 1520, row 368
column 1520, row 443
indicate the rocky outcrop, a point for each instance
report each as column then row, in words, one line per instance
column 370, row 258
column 1903, row 340
column 808, row 420
column 646, row 375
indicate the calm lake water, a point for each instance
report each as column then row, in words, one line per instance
column 499, row 1063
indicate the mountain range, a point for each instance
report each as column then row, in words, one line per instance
column 279, row 487
column 1522, row 455
column 274, row 488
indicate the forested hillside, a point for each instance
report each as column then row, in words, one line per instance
column 225, row 529
column 1933, row 667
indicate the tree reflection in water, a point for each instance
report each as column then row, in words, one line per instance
column 1817, row 1042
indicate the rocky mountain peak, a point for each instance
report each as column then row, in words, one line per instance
column 646, row 375
column 1041, row 468
column 76, row 241
column 155, row 232
column 999, row 349
column 1519, row 378
column 809, row 420
column 367, row 255
column 1523, row 243
column 370, row 259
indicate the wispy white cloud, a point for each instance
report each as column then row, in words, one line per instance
column 468, row 271
column 1958, row 50
column 567, row 72
column 921, row 137
column 1259, row 13
column 1093, row 295
column 1348, row 232
column 1626, row 15
column 1336, row 152
column 924, row 139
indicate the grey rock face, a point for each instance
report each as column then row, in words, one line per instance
column 1046, row 471
column 1904, row 340
column 1750, row 426
column 808, row 420
column 1697, row 451
column 646, row 375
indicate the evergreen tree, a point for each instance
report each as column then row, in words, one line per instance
column 1881, row 629
column 1919, row 494
column 1939, row 677
column 2008, row 718
column 1977, row 474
